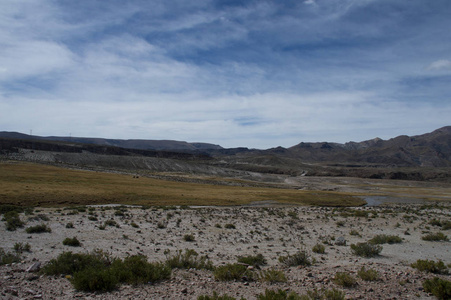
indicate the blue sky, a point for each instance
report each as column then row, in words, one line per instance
column 257, row 74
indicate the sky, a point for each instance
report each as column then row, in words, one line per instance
column 255, row 74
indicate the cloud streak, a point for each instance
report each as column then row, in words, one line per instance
column 259, row 75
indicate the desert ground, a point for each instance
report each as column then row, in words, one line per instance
column 224, row 233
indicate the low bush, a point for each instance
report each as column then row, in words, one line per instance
column 8, row 257
column 21, row 247
column 12, row 220
column 434, row 237
column 440, row 288
column 190, row 259
column 300, row 258
column 229, row 226
column 366, row 249
column 368, row 275
column 70, row 225
column 278, row 295
column 215, row 296
column 253, row 260
column 189, row 238
column 323, row 294
column 68, row 263
column 430, row 266
column 319, row 248
column 344, row 279
column 231, row 272
column 272, row 275
column 134, row 225
column 385, row 239
column 137, row 270
column 38, row 229
column 95, row 280
column 74, row 242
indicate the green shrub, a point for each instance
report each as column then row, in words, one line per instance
column 446, row 225
column 68, row 263
column 319, row 248
column 12, row 220
column 188, row 260
column 215, row 297
column 229, row 226
column 439, row 236
column 5, row 208
column 301, row 258
column 231, row 272
column 368, row 275
column 8, row 257
column 21, row 247
column 253, row 260
column 385, row 239
column 111, row 223
column 272, row 275
column 95, row 280
column 278, row 295
column 137, row 270
column 134, row 225
column 440, row 288
column 70, row 225
column 435, row 222
column 324, row 294
column 354, row 232
column 430, row 266
column 344, row 279
column 38, row 229
column 189, row 238
column 74, row 242
column 366, row 249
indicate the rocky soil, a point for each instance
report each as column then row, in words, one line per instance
column 263, row 228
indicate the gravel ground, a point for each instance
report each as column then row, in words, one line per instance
column 261, row 229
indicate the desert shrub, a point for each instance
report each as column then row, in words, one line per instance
column 189, row 238
column 70, row 225
column 68, row 263
column 385, row 239
column 366, row 249
column 12, row 220
column 38, row 229
column 5, row 208
column 319, row 248
column 435, row 222
column 215, row 297
column 74, row 242
column 430, row 266
column 137, row 270
column 433, row 237
column 340, row 223
column 278, row 295
column 368, row 275
column 253, row 260
column 272, row 275
column 95, row 280
column 229, row 226
column 119, row 213
column 110, row 222
column 446, row 225
column 134, row 225
column 188, row 260
column 231, row 272
column 8, row 257
column 93, row 218
column 301, row 258
column 161, row 225
column 440, row 288
column 344, row 279
column 21, row 247
column 324, row 294
column 354, row 232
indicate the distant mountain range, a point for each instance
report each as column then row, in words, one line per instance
column 426, row 150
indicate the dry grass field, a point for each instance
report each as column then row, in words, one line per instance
column 30, row 184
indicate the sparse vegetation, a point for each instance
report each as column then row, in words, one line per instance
column 368, row 275
column 301, row 258
column 231, row 272
column 189, row 238
column 440, row 288
column 344, row 279
column 8, row 257
column 215, row 296
column 21, row 247
column 430, row 266
column 253, row 260
column 189, row 259
column 42, row 228
column 12, row 220
column 272, row 275
column 229, row 226
column 278, row 295
column 366, row 249
column 385, row 239
column 73, row 242
column 434, row 237
column 319, row 248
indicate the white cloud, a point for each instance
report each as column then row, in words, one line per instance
column 438, row 65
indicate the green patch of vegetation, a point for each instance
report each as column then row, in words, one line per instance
column 253, row 260
column 278, row 295
column 42, row 228
column 190, row 259
column 440, row 288
column 21, row 247
column 189, row 238
column 366, row 249
column 215, row 296
column 8, row 257
column 70, row 225
column 323, row 294
column 229, row 226
column 430, row 266
column 354, row 232
column 230, row 272
column 368, row 275
column 344, row 279
column 272, row 275
column 319, row 248
column 435, row 237
column 134, row 225
column 301, row 258
column 385, row 239
column 73, row 242
column 12, row 220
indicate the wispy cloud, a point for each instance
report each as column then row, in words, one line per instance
column 263, row 74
